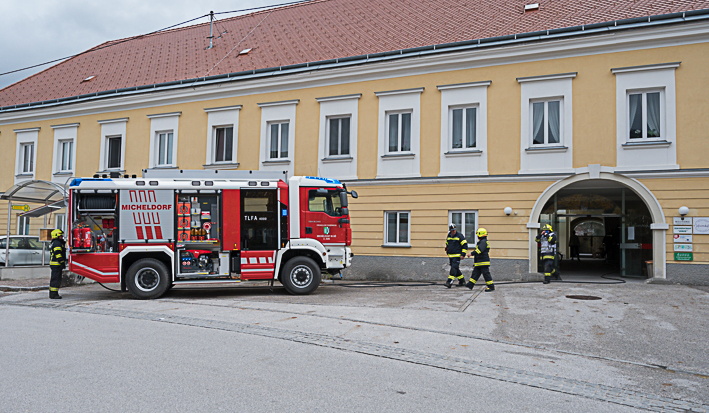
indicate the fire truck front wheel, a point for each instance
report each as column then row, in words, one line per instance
column 301, row 275
column 147, row 278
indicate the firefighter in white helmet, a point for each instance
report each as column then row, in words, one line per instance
column 456, row 248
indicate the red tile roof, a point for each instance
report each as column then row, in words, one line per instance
column 314, row 31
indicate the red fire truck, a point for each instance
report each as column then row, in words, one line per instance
column 220, row 227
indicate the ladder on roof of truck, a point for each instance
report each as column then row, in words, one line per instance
column 212, row 174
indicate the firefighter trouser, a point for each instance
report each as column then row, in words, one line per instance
column 485, row 271
column 549, row 269
column 56, row 280
column 455, row 269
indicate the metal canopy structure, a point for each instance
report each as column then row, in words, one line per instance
column 51, row 194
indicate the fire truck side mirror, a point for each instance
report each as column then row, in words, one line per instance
column 354, row 194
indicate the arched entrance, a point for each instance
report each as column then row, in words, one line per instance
column 633, row 222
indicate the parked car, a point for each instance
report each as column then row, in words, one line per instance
column 24, row 250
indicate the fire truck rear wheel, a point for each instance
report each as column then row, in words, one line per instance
column 301, row 276
column 147, row 278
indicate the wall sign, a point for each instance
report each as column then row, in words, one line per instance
column 683, row 238
column 684, row 247
column 684, row 256
column 681, row 221
column 681, row 229
column 701, row 225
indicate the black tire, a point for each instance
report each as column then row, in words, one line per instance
column 301, row 276
column 147, row 279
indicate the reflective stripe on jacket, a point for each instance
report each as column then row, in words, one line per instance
column 58, row 250
column 456, row 245
column 482, row 252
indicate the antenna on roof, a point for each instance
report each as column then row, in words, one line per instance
column 211, row 27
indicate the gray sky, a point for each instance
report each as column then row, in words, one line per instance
column 37, row 31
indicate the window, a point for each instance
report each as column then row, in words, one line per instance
column 27, row 154
column 223, row 144
column 546, row 122
column 399, row 132
column 114, row 152
column 397, row 228
column 328, row 203
column 339, row 136
column 14, row 244
column 60, row 222
column 165, row 140
column 66, row 151
column 463, row 134
column 465, row 222
column 23, row 226
column 278, row 147
column 644, row 109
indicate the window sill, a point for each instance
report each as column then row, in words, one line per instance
column 396, row 245
column 647, row 144
column 547, row 149
column 164, row 167
column 406, row 155
column 222, row 165
column 467, row 152
column 108, row 171
column 63, row 173
column 277, row 162
column 337, row 159
column 29, row 175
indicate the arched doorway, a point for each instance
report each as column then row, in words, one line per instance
column 632, row 221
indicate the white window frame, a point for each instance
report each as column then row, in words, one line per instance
column 547, row 157
column 112, row 128
column 64, row 134
column 108, row 153
column 278, row 112
column 59, row 221
column 215, row 145
column 397, row 243
column 328, row 134
column 279, row 140
column 63, row 156
column 639, row 154
column 222, row 117
column 23, row 223
column 163, row 123
column 464, row 130
column 461, row 227
column 545, row 125
column 399, row 114
column 25, row 137
column 643, row 114
column 26, row 147
column 342, row 167
column 399, row 164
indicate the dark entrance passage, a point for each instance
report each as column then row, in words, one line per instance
column 603, row 229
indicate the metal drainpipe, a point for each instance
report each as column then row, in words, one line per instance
column 7, row 239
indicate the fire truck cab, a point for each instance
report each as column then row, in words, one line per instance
column 219, row 227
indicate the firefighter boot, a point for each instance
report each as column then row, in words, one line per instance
column 54, row 295
column 547, row 278
column 461, row 282
column 490, row 288
column 448, row 283
column 470, row 284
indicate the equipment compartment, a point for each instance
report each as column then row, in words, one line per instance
column 94, row 226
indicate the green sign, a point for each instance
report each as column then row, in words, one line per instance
column 684, row 256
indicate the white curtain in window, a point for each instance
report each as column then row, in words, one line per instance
column 553, row 110
column 653, row 115
column 538, row 132
column 635, row 108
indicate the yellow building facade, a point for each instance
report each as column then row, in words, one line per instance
column 507, row 138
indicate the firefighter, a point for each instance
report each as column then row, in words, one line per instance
column 481, row 255
column 57, row 262
column 456, row 248
column 548, row 241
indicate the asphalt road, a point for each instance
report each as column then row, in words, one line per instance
column 358, row 347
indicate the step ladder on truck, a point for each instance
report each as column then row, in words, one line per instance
column 183, row 227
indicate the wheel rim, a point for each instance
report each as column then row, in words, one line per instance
column 301, row 276
column 147, row 279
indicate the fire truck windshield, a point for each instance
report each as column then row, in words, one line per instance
column 328, row 203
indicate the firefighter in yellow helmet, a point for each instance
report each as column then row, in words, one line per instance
column 456, row 248
column 481, row 255
column 548, row 241
column 57, row 262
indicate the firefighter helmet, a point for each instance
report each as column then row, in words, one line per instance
column 482, row 232
column 547, row 227
column 451, row 227
column 57, row 233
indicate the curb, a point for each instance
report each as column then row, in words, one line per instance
column 10, row 288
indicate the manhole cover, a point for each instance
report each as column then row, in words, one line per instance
column 583, row 297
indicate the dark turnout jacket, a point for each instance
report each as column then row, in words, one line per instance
column 456, row 245
column 482, row 252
